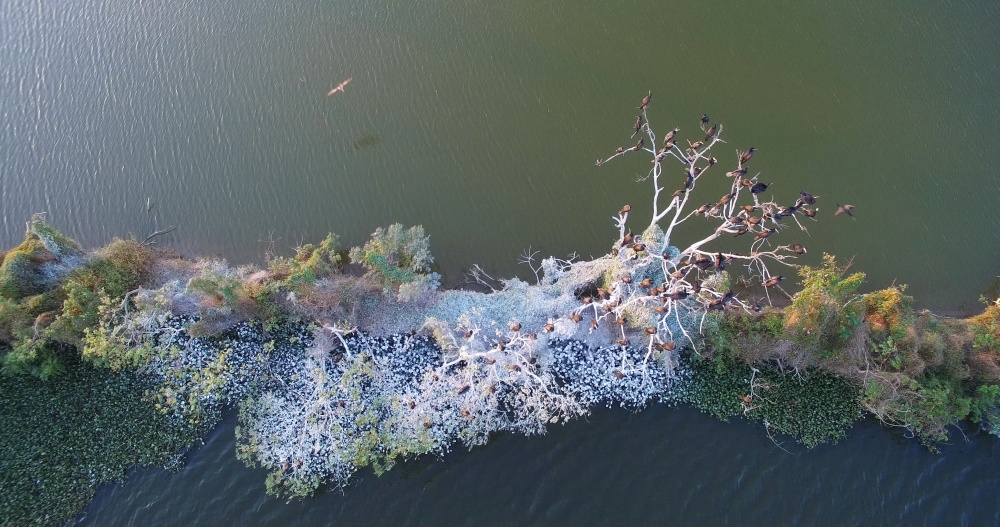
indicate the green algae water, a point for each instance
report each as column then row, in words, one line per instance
column 481, row 121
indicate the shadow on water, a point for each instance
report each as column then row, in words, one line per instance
column 368, row 141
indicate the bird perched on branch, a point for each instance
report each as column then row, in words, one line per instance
column 711, row 131
column 738, row 173
column 798, row 248
column 625, row 210
column 645, row 100
column 808, row 198
column 638, row 124
column 669, row 138
column 844, row 209
column 704, row 118
column 745, row 156
column 764, row 234
column 772, row 281
column 759, row 188
column 627, row 239
column 638, row 145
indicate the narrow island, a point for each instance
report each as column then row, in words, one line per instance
column 341, row 359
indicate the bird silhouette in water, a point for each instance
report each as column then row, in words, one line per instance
column 645, row 100
column 844, row 209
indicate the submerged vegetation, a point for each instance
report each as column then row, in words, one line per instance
column 340, row 359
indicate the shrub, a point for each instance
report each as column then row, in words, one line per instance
column 825, row 313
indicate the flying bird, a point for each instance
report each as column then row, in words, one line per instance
column 340, row 87
column 844, row 209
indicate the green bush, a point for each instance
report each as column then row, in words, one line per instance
column 824, row 314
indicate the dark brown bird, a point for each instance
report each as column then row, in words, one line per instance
column 738, row 173
column 645, row 100
column 763, row 234
column 679, row 192
column 746, row 183
column 575, row 317
column 491, row 361
column 468, row 334
column 618, row 374
column 749, row 208
column 646, row 282
column 759, row 188
column 703, row 209
column 711, row 131
column 651, row 331
column 639, row 247
column 625, row 209
column 809, row 212
column 695, row 145
column 620, row 321
column 724, row 199
column 844, row 209
column 548, row 327
column 741, row 230
column 704, row 118
column 772, row 281
column 670, row 137
column 515, row 327
column 798, row 248
column 622, row 342
column 808, row 198
column 638, row 145
column 680, row 294
column 712, row 161
column 628, row 238
column 668, row 146
column 464, row 389
column 746, row 156
column 638, row 125
column 668, row 346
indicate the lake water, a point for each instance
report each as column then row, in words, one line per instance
column 481, row 121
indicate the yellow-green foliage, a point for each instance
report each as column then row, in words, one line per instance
column 20, row 272
column 825, row 313
column 120, row 267
column 311, row 262
column 112, row 343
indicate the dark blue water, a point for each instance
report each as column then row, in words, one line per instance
column 662, row 466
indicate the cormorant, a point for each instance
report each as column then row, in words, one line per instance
column 625, row 209
column 670, row 136
column 808, row 198
column 772, row 281
column 745, row 156
column 638, row 125
column 638, row 145
column 764, row 234
column 645, row 100
column 798, row 248
column 711, row 131
column 759, row 187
